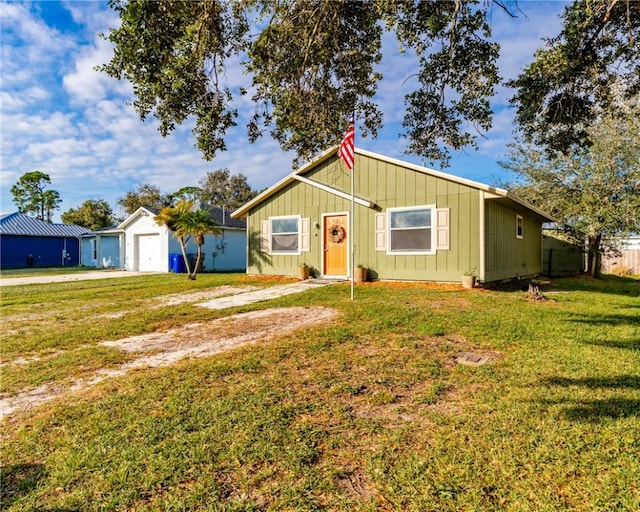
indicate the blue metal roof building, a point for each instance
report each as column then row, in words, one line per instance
column 26, row 241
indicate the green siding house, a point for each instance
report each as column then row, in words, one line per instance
column 409, row 223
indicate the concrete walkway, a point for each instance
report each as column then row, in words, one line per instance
column 273, row 292
column 7, row 280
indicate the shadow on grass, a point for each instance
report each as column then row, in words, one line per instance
column 623, row 381
column 19, row 480
column 608, row 283
column 624, row 344
column 617, row 319
column 594, row 411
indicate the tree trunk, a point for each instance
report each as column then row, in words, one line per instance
column 187, row 264
column 594, row 258
column 198, row 260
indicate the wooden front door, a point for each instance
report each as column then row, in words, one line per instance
column 335, row 245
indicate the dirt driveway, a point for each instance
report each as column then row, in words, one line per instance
column 198, row 340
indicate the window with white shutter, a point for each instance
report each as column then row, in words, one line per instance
column 264, row 236
column 411, row 230
column 442, row 229
column 381, row 231
column 285, row 234
column 305, row 235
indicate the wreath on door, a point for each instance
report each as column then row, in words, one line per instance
column 337, row 233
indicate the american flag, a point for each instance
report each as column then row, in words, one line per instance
column 347, row 146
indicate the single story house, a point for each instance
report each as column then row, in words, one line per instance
column 409, row 223
column 103, row 248
column 29, row 242
column 139, row 244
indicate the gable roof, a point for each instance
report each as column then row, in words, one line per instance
column 142, row 210
column 220, row 215
column 20, row 224
column 224, row 220
column 493, row 193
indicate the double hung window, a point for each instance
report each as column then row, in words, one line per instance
column 411, row 230
column 285, row 235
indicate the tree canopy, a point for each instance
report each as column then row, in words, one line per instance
column 144, row 195
column 579, row 72
column 311, row 63
column 31, row 196
column 221, row 188
column 577, row 112
column 593, row 190
column 92, row 214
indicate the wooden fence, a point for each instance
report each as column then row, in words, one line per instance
column 627, row 263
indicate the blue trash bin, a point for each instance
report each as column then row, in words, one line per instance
column 176, row 263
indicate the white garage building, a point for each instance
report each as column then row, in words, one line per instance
column 139, row 244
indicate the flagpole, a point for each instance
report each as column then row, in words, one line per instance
column 347, row 153
column 352, row 216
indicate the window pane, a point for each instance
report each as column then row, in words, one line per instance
column 411, row 219
column 411, row 240
column 519, row 228
column 289, row 225
column 284, row 243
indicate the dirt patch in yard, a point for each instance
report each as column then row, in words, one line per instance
column 172, row 299
column 182, row 298
column 191, row 341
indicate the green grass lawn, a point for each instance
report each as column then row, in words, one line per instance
column 368, row 411
column 46, row 271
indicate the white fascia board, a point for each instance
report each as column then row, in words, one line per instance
column 244, row 209
column 140, row 211
column 334, row 191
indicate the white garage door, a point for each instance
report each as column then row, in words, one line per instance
column 149, row 257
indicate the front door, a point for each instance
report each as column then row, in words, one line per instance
column 335, row 245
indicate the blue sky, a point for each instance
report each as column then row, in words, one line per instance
column 60, row 116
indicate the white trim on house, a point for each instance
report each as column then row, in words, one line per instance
column 490, row 192
column 334, row 191
column 519, row 226
column 298, row 234
column 481, row 271
column 145, row 212
column 432, row 227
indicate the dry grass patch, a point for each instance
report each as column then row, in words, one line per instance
column 364, row 411
column 166, row 348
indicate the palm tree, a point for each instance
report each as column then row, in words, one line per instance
column 197, row 223
column 186, row 222
column 171, row 217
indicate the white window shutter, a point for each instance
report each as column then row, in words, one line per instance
column 381, row 231
column 442, row 229
column 305, row 235
column 265, row 235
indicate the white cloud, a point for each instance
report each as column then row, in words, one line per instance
column 85, row 84
column 11, row 102
column 37, row 126
column 42, row 43
column 63, row 117
column 92, row 16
